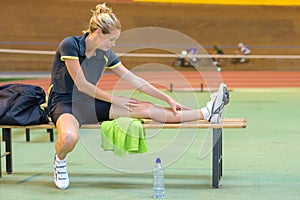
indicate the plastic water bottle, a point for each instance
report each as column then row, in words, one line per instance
column 158, row 187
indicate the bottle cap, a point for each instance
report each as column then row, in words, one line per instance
column 158, row 160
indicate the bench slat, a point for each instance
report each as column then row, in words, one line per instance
column 5, row 154
column 197, row 125
column 225, row 123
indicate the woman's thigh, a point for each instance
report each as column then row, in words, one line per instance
column 87, row 111
column 142, row 111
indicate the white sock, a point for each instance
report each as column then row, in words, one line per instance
column 59, row 160
column 205, row 113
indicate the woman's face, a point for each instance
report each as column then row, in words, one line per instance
column 107, row 41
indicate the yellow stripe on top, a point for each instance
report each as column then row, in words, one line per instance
column 115, row 65
column 231, row 2
column 50, row 88
column 68, row 57
column 106, row 59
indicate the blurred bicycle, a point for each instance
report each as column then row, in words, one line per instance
column 218, row 62
column 242, row 50
column 187, row 58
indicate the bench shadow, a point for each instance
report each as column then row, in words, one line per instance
column 108, row 180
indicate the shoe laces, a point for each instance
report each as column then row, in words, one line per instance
column 213, row 95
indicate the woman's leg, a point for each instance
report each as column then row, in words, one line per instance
column 148, row 110
column 67, row 127
column 211, row 112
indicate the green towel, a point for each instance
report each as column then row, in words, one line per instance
column 123, row 135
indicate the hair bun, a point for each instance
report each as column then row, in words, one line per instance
column 104, row 19
column 102, row 9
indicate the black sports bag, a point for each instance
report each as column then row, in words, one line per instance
column 20, row 105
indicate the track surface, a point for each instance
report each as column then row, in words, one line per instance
column 234, row 79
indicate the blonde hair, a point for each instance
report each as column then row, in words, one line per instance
column 104, row 19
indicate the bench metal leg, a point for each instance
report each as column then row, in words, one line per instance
column 217, row 157
column 3, row 136
column 7, row 137
column 27, row 130
column 50, row 131
column 221, row 155
column 0, row 161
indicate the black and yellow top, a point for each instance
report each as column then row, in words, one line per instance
column 62, row 88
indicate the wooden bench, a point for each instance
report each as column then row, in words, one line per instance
column 217, row 159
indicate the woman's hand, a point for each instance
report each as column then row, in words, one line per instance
column 125, row 102
column 175, row 106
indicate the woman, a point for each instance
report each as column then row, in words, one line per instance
column 74, row 98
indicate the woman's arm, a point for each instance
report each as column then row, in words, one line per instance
column 88, row 88
column 145, row 86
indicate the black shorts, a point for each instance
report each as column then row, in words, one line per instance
column 86, row 111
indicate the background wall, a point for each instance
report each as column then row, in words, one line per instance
column 42, row 25
column 231, row 2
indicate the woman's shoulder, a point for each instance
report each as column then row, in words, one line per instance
column 70, row 40
column 73, row 43
column 110, row 53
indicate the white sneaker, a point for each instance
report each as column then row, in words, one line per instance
column 216, row 105
column 61, row 178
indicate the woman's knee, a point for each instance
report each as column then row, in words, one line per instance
column 146, row 106
column 67, row 128
column 68, row 137
column 144, row 109
column 141, row 111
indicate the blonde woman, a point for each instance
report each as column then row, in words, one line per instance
column 74, row 98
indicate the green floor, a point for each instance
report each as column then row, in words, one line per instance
column 260, row 162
